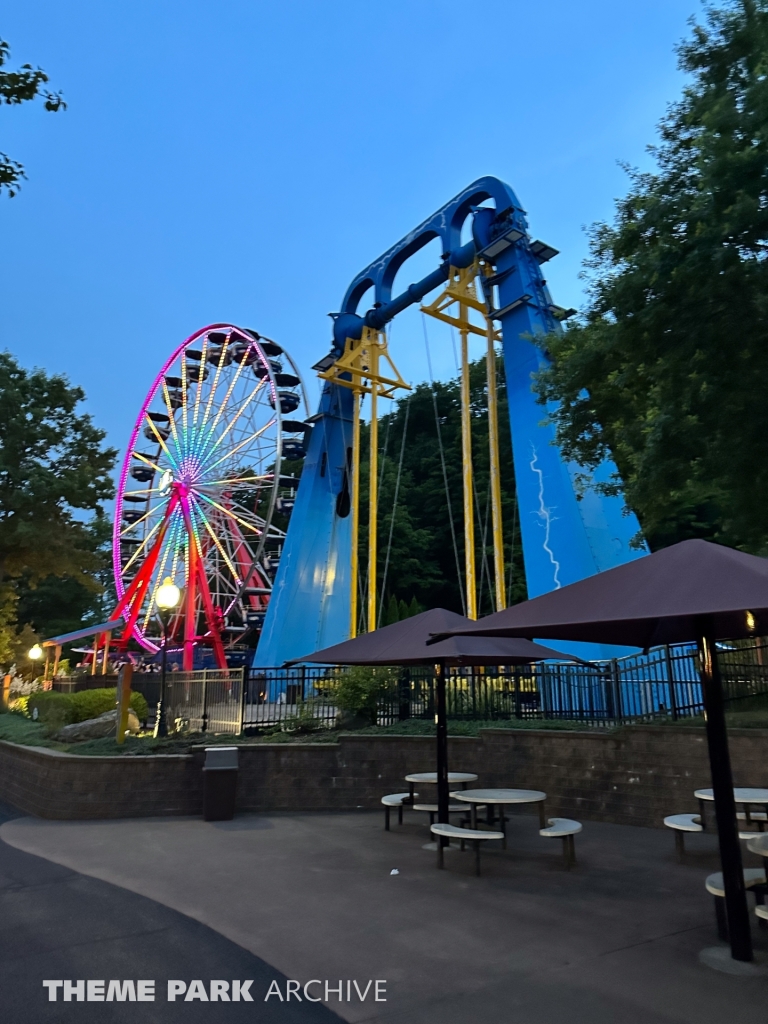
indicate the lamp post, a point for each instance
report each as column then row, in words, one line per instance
column 35, row 654
column 167, row 599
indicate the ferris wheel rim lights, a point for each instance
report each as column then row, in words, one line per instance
column 186, row 479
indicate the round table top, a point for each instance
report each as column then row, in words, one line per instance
column 427, row 777
column 759, row 844
column 741, row 796
column 500, row 796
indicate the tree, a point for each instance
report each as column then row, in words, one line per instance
column 56, row 604
column 19, row 87
column 666, row 369
column 54, row 476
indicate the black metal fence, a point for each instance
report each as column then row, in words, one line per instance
column 663, row 683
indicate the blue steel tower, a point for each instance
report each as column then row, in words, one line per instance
column 567, row 533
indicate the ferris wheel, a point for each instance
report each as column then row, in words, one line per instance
column 201, row 485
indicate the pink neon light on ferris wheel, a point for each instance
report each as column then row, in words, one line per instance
column 220, row 448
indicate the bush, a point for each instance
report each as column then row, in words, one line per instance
column 305, row 721
column 59, row 709
column 19, row 705
column 359, row 690
column 51, row 708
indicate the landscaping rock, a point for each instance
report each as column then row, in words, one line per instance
column 96, row 728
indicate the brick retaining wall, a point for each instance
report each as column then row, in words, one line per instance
column 50, row 784
column 633, row 776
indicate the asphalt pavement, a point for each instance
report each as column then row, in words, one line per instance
column 57, row 925
column 319, row 897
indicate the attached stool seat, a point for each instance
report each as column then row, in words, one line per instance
column 432, row 810
column 756, row 816
column 395, row 800
column 683, row 823
column 565, row 829
column 471, row 835
column 714, row 885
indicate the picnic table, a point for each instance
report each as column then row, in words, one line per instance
column 746, row 796
column 430, row 779
column 493, row 798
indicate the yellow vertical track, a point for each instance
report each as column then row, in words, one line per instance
column 372, row 505
column 493, row 448
column 360, row 369
column 355, row 500
column 461, row 291
column 466, row 453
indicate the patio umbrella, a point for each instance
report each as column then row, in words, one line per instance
column 407, row 643
column 694, row 591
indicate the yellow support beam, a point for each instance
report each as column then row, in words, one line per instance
column 495, row 474
column 373, row 509
column 355, row 510
column 359, row 368
column 466, row 455
column 461, row 291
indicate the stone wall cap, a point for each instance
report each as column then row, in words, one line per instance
column 48, row 752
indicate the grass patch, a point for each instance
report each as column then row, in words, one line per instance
column 15, row 728
column 425, row 727
column 734, row 720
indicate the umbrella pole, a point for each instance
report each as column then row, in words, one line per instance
column 736, row 910
column 442, row 749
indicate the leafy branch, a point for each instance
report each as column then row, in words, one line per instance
column 27, row 83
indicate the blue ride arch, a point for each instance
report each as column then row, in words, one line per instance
column 568, row 531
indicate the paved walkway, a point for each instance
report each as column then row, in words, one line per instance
column 57, row 924
column 615, row 940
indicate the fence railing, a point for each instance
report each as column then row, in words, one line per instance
column 207, row 701
column 663, row 683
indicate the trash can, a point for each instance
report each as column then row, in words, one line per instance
column 219, row 783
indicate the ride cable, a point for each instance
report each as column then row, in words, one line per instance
column 394, row 504
column 462, row 292
column 442, row 463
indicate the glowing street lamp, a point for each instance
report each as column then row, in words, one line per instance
column 168, row 596
column 35, row 653
column 167, row 599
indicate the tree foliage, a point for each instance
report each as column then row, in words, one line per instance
column 666, row 371
column 19, row 87
column 54, row 476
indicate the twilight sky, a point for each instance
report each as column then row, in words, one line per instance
column 241, row 161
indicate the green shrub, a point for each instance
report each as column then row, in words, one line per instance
column 305, row 721
column 359, row 690
column 51, row 708
column 58, row 709
column 19, row 705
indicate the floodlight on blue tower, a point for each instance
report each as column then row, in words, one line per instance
column 568, row 531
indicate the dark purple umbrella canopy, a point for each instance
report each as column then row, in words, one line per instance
column 671, row 596
column 692, row 591
column 406, row 643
